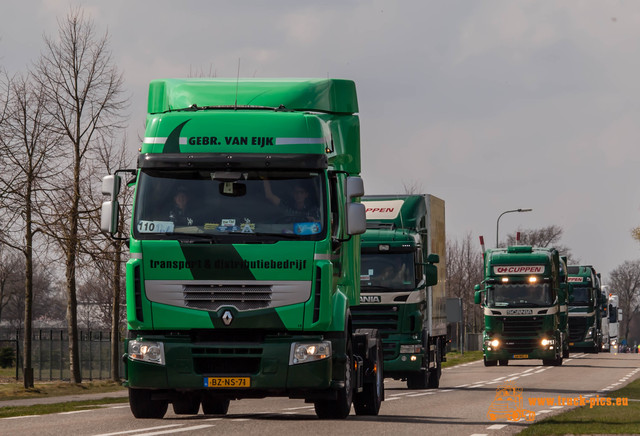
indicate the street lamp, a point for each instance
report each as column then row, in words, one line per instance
column 507, row 211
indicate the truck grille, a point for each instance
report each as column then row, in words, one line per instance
column 522, row 326
column 577, row 328
column 521, row 346
column 381, row 317
column 219, row 360
column 212, row 297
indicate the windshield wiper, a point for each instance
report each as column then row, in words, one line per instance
column 277, row 235
column 201, row 236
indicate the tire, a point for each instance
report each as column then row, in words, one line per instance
column 215, row 406
column 369, row 400
column 418, row 380
column 433, row 380
column 503, row 362
column 143, row 407
column 186, row 404
column 490, row 362
column 340, row 407
column 565, row 354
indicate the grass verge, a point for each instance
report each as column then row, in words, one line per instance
column 71, row 406
column 454, row 358
column 596, row 419
column 15, row 389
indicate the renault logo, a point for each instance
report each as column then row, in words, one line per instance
column 227, row 317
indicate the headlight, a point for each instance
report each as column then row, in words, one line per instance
column 589, row 333
column 410, row 349
column 546, row 342
column 494, row 343
column 309, row 352
column 147, row 351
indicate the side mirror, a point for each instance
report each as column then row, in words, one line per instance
column 111, row 186
column 430, row 274
column 109, row 217
column 477, row 296
column 355, row 187
column 433, row 258
column 356, row 219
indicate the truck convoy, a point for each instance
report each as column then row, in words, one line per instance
column 524, row 300
column 585, row 308
column 402, row 288
column 245, row 249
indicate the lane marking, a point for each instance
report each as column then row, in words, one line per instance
column 177, row 430
column 496, row 426
column 140, row 429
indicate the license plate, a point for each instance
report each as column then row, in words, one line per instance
column 520, row 356
column 227, row 382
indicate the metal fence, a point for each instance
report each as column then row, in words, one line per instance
column 50, row 353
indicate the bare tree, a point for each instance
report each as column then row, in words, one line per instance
column 549, row 236
column 625, row 282
column 413, row 187
column 84, row 90
column 10, row 264
column 464, row 271
column 29, row 146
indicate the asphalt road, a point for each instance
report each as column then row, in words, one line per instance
column 459, row 407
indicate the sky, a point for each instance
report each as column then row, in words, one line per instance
column 491, row 105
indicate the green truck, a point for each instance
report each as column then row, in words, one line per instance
column 524, row 300
column 585, row 309
column 402, row 285
column 245, row 249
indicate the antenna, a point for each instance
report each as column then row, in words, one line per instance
column 237, row 82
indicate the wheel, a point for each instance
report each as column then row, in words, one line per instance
column 142, row 406
column 503, row 362
column 490, row 362
column 214, row 405
column 433, row 380
column 565, row 353
column 186, row 404
column 369, row 400
column 340, row 407
column 418, row 380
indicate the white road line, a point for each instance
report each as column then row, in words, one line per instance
column 544, row 411
column 496, row 426
column 557, row 407
column 140, row 429
column 462, row 386
column 24, row 416
column 75, row 411
column 421, row 394
column 176, row 430
column 446, row 390
column 391, row 399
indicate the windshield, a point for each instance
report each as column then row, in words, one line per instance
column 212, row 204
column 389, row 271
column 581, row 296
column 520, row 295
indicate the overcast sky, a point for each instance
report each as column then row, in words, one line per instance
column 489, row 105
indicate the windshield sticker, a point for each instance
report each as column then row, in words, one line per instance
column 307, row 228
column 155, row 226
